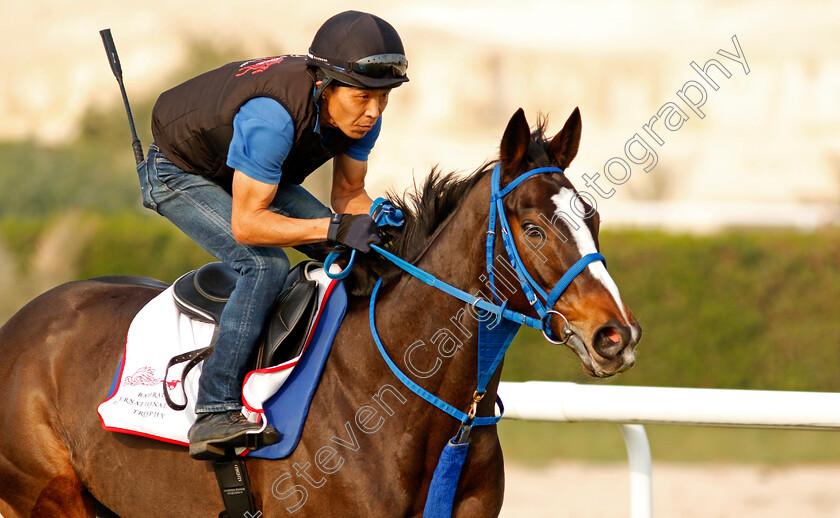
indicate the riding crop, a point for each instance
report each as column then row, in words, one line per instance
column 116, row 68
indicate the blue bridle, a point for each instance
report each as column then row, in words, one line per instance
column 496, row 334
column 530, row 287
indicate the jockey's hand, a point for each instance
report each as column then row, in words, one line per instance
column 357, row 231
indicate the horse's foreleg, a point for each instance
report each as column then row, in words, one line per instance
column 64, row 496
column 37, row 479
column 6, row 511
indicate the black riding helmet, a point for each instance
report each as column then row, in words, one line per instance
column 358, row 49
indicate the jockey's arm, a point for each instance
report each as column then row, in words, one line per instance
column 348, row 193
column 253, row 223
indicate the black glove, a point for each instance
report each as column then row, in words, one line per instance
column 354, row 230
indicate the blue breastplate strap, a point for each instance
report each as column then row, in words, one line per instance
column 494, row 335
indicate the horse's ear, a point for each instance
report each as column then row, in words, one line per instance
column 564, row 145
column 515, row 142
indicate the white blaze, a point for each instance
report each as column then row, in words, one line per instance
column 585, row 243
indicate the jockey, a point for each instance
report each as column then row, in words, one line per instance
column 231, row 149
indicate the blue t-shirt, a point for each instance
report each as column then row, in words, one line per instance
column 263, row 132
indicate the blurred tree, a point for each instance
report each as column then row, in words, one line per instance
column 95, row 171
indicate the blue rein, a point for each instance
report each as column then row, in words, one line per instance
column 494, row 334
column 417, row 389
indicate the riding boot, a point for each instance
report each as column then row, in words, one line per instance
column 215, row 432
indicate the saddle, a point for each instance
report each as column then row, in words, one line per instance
column 203, row 293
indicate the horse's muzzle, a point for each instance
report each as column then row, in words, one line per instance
column 611, row 349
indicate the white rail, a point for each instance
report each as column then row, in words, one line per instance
column 570, row 402
column 631, row 407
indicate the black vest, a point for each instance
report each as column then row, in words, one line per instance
column 193, row 122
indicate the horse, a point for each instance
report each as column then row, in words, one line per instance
column 370, row 446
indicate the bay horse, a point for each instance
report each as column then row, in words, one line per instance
column 370, row 446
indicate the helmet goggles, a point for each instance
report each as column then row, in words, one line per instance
column 381, row 65
column 377, row 67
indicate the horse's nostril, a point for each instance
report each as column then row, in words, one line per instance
column 610, row 340
column 612, row 335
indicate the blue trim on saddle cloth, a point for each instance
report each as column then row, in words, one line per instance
column 287, row 409
column 115, row 381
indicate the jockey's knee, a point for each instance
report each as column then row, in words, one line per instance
column 269, row 266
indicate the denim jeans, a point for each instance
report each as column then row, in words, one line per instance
column 201, row 208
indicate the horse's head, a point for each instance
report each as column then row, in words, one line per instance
column 553, row 228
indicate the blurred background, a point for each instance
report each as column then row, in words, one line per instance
column 727, row 251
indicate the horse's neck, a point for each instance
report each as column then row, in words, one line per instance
column 430, row 334
column 440, row 337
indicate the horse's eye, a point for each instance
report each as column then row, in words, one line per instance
column 532, row 230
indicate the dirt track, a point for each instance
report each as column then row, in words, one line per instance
column 588, row 490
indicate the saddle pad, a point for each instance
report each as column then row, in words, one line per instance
column 135, row 403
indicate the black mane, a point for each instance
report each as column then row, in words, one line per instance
column 426, row 208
